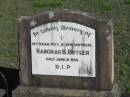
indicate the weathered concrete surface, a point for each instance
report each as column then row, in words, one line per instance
column 33, row 91
column 2, row 92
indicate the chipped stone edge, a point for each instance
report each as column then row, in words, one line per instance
column 23, row 18
column 110, row 24
column 113, row 68
column 51, row 14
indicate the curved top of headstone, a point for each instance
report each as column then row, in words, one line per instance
column 66, row 15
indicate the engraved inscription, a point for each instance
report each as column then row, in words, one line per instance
column 63, row 49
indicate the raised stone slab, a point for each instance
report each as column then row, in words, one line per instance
column 2, row 92
column 33, row 91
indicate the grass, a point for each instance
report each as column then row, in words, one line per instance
column 107, row 6
column 48, row 3
column 128, row 2
column 39, row 5
column 10, row 10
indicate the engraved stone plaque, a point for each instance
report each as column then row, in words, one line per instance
column 63, row 48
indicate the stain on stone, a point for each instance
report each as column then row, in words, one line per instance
column 72, row 46
column 32, row 23
column 108, row 35
column 83, row 41
column 51, row 15
column 86, row 69
column 108, row 38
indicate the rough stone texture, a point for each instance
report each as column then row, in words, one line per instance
column 104, row 51
column 33, row 91
column 2, row 92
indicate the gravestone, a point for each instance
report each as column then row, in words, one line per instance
column 66, row 50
